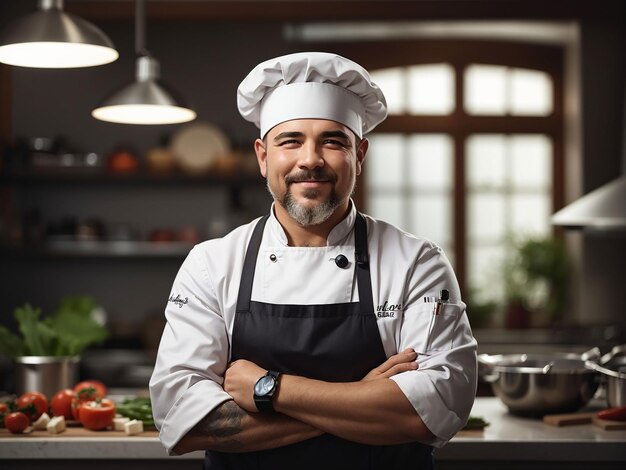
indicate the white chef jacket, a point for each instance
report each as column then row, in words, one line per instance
column 195, row 347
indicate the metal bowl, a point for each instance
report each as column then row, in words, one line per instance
column 613, row 368
column 539, row 384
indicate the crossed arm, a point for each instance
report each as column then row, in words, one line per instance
column 372, row 411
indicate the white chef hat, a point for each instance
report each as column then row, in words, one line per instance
column 311, row 85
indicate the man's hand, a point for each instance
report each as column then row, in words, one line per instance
column 397, row 363
column 239, row 380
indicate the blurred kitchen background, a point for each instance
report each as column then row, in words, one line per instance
column 501, row 113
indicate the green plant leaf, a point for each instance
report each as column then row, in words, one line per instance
column 11, row 345
column 40, row 340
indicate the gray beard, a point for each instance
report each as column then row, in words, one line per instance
column 306, row 216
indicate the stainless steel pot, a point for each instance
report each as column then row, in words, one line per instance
column 540, row 384
column 46, row 374
column 613, row 367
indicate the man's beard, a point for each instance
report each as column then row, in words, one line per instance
column 308, row 215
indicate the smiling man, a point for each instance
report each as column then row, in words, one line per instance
column 316, row 336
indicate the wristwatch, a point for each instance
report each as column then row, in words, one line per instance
column 264, row 389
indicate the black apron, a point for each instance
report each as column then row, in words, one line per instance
column 333, row 342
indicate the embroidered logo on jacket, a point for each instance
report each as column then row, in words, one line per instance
column 387, row 310
column 178, row 301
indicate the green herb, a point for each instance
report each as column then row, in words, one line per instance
column 136, row 408
column 66, row 333
column 476, row 422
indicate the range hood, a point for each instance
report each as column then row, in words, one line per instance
column 602, row 209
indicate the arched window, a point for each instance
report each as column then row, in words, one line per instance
column 471, row 153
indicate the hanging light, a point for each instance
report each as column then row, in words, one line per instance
column 51, row 38
column 146, row 100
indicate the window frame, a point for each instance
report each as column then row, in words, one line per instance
column 460, row 53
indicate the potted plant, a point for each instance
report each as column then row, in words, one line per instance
column 47, row 351
column 535, row 277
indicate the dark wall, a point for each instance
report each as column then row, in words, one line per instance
column 204, row 61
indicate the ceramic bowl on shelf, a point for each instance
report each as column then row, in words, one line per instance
column 197, row 146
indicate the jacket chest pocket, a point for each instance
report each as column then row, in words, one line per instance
column 427, row 331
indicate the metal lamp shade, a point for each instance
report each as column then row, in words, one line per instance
column 52, row 38
column 145, row 101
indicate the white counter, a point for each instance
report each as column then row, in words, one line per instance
column 507, row 438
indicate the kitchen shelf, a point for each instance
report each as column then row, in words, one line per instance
column 100, row 178
column 106, row 249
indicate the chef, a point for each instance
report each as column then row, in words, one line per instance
column 315, row 336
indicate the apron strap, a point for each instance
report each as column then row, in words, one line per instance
column 362, row 266
column 249, row 265
column 363, row 276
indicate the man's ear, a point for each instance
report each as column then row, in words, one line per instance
column 361, row 151
column 261, row 156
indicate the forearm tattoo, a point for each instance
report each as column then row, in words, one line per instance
column 221, row 425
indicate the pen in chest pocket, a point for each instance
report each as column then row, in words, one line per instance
column 444, row 297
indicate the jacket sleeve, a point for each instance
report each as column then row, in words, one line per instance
column 186, row 383
column 443, row 388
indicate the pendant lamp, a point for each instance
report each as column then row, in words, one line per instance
column 51, row 38
column 146, row 100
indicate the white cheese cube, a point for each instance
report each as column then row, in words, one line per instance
column 41, row 422
column 56, row 425
column 133, row 427
column 118, row 423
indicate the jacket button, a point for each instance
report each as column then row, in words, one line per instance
column 341, row 261
column 273, row 258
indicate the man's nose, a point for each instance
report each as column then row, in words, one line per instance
column 310, row 156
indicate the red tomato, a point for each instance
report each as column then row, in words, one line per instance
column 16, row 422
column 61, row 403
column 90, row 390
column 97, row 414
column 39, row 402
column 3, row 408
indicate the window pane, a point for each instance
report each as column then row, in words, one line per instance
column 484, row 264
column 486, row 217
column 486, row 161
column 531, row 93
column 431, row 217
column 430, row 161
column 392, row 83
column 385, row 163
column 530, row 214
column 388, row 207
column 485, row 89
column 431, row 89
column 531, row 161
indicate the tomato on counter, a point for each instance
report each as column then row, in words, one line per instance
column 97, row 414
column 38, row 401
column 16, row 422
column 92, row 388
column 61, row 403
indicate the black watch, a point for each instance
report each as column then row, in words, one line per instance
column 264, row 389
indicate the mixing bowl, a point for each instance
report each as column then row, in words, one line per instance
column 540, row 384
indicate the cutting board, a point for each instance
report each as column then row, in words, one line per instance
column 568, row 419
column 609, row 425
column 78, row 431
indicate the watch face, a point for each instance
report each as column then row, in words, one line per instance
column 264, row 385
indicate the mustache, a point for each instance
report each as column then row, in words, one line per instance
column 316, row 174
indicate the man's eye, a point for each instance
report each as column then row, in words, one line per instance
column 334, row 142
column 288, row 142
